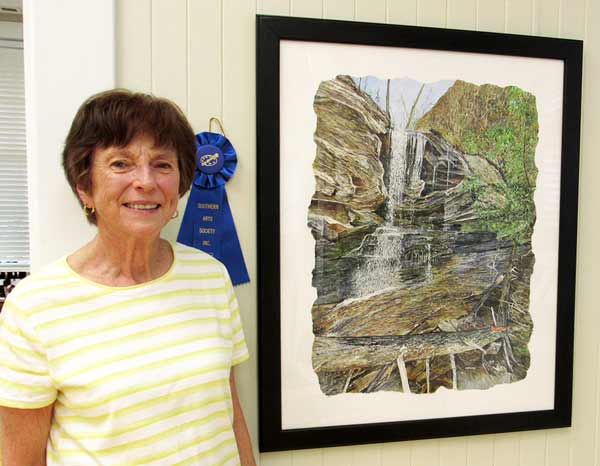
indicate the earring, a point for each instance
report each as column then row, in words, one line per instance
column 175, row 215
column 87, row 211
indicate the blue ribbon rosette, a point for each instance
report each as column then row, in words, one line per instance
column 208, row 223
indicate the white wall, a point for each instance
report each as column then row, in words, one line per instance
column 69, row 55
column 200, row 53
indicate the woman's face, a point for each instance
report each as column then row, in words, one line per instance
column 135, row 188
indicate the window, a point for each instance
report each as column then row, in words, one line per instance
column 14, row 220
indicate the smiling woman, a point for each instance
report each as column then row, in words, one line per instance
column 140, row 188
column 128, row 157
column 122, row 352
column 115, row 125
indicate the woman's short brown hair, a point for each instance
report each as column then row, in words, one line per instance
column 115, row 118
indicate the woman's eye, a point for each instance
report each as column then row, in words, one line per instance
column 118, row 164
column 164, row 165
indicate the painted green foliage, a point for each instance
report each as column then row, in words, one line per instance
column 499, row 125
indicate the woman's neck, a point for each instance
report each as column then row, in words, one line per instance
column 118, row 262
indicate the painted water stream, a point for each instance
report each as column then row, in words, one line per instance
column 382, row 252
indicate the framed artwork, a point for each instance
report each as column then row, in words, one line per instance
column 417, row 212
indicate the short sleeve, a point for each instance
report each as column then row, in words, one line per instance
column 239, row 350
column 25, row 381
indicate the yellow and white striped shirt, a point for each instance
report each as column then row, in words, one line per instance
column 139, row 375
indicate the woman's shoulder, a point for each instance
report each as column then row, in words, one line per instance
column 54, row 275
column 188, row 256
column 188, row 253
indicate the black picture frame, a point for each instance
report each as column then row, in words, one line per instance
column 271, row 30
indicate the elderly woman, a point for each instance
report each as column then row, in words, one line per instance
column 122, row 352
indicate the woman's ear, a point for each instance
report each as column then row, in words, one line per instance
column 86, row 199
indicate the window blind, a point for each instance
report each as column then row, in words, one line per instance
column 14, row 217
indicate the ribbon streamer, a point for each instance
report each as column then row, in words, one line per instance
column 208, row 223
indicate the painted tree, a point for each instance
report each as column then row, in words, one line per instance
column 500, row 126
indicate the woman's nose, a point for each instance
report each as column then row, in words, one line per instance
column 144, row 177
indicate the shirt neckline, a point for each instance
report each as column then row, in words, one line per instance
column 164, row 276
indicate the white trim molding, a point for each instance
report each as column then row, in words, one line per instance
column 69, row 55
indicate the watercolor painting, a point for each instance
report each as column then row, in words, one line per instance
column 422, row 217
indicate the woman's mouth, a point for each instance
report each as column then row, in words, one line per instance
column 141, row 206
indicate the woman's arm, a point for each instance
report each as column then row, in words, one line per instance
column 242, row 437
column 24, row 435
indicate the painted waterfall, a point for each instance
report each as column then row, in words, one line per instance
column 422, row 217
